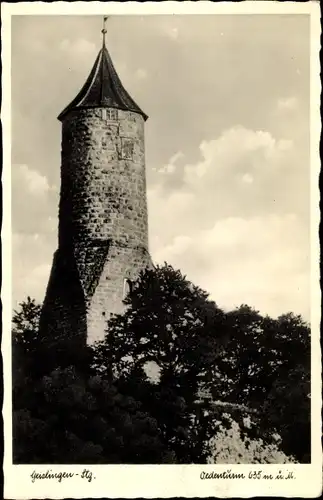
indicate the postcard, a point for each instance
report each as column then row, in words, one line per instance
column 161, row 291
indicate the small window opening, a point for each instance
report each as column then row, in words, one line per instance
column 112, row 114
column 127, row 148
column 127, row 288
column 109, row 114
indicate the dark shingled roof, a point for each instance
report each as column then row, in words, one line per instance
column 103, row 88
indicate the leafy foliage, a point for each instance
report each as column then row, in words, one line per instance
column 73, row 419
column 25, row 322
column 266, row 366
column 136, row 396
column 67, row 414
column 171, row 323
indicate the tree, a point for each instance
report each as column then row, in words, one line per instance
column 169, row 322
column 75, row 419
column 67, row 414
column 266, row 367
column 287, row 407
column 34, row 353
column 173, row 324
column 26, row 320
column 25, row 339
column 137, row 396
column 237, row 374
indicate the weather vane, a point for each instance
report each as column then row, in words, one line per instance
column 104, row 31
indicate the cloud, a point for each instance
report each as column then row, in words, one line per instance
column 261, row 261
column 216, row 184
column 32, row 181
column 79, row 47
column 287, row 104
column 34, row 201
column 247, row 178
column 237, row 150
column 141, row 74
column 34, row 221
column 170, row 31
column 171, row 165
column 236, row 230
column 32, row 258
column 173, row 33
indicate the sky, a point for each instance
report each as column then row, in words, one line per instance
column 227, row 146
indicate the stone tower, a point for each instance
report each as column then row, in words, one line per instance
column 103, row 226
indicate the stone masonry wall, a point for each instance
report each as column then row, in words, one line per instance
column 63, row 315
column 124, row 263
column 103, row 191
column 103, row 208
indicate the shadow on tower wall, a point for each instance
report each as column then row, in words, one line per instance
column 63, row 318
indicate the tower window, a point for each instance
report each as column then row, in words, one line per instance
column 112, row 114
column 127, row 147
column 127, row 287
column 109, row 114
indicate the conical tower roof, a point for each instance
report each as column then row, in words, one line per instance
column 103, row 88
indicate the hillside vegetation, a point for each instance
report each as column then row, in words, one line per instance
column 137, row 397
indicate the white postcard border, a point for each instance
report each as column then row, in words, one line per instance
column 129, row 481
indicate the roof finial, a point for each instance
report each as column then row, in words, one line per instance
column 103, row 31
